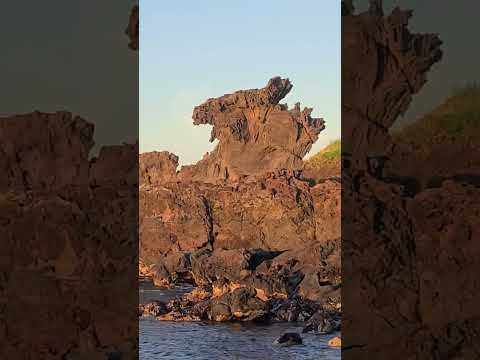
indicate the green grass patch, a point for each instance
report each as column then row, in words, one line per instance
column 458, row 115
column 330, row 153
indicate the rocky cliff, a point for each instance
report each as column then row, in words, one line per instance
column 400, row 254
column 62, row 239
column 69, row 240
column 255, row 133
column 243, row 217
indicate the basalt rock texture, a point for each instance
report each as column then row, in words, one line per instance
column 43, row 151
column 256, row 134
column 384, row 66
column 242, row 224
column 62, row 240
column 68, row 251
column 156, row 168
column 405, row 271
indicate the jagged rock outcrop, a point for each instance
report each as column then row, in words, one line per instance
column 256, row 134
column 132, row 29
column 105, row 168
column 384, row 65
column 405, row 271
column 272, row 213
column 243, row 224
column 62, row 238
column 173, row 218
column 44, row 151
column 69, row 240
column 156, row 168
column 279, row 213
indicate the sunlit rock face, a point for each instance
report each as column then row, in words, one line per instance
column 256, row 134
column 244, row 214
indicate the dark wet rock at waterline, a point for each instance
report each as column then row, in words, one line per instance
column 260, row 242
column 323, row 322
column 232, row 303
column 289, row 339
column 154, row 308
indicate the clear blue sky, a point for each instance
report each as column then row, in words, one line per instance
column 194, row 50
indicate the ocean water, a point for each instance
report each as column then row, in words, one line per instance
column 222, row 341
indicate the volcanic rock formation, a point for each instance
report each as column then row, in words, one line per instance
column 243, row 217
column 384, row 65
column 62, row 239
column 401, row 257
column 69, row 241
column 256, row 134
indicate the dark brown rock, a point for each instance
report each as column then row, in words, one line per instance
column 273, row 213
column 395, row 246
column 174, row 218
column 447, row 255
column 157, row 168
column 241, row 305
column 322, row 322
column 385, row 65
column 42, row 151
column 69, row 240
column 256, row 134
column 114, row 164
column 155, row 308
column 62, row 239
column 225, row 233
column 327, row 208
column 132, row 29
column 289, row 339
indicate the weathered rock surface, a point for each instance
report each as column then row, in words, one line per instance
column 256, row 134
column 156, row 168
column 69, row 240
column 155, row 308
column 241, row 302
column 385, row 65
column 264, row 234
column 406, row 272
column 289, row 339
column 323, row 322
column 242, row 223
column 175, row 217
column 66, row 257
column 327, row 205
column 445, row 223
column 43, row 151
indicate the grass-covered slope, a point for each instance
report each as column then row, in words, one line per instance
column 447, row 140
column 326, row 163
column 458, row 116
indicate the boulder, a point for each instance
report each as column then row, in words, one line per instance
column 323, row 322
column 335, row 342
column 289, row 339
column 238, row 303
column 154, row 308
